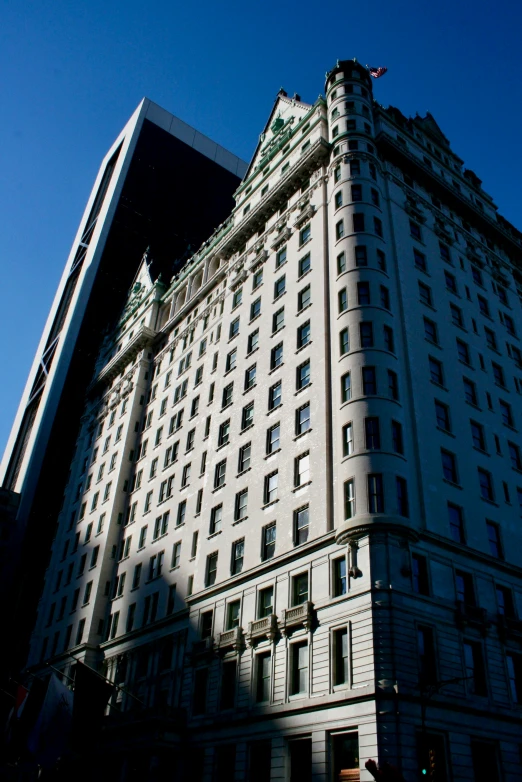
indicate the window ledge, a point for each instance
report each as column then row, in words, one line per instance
column 302, row 434
column 214, row 534
column 251, row 352
column 249, row 388
column 218, row 488
column 228, row 371
column 176, row 567
column 276, row 368
column 278, row 298
column 304, row 275
column 238, row 521
column 223, row 445
column 446, row 431
column 269, row 504
column 275, row 408
column 452, row 483
column 303, row 347
column 303, row 309
column 243, row 472
column 273, row 453
column 300, row 390
column 302, row 486
column 231, row 339
column 246, row 428
column 254, row 318
column 439, row 385
column 489, row 502
column 227, row 406
column 481, row 451
column 277, row 331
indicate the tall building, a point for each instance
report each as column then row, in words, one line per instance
column 162, row 185
column 291, row 530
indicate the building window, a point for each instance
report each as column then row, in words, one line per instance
column 349, row 499
column 241, row 503
column 304, row 298
column 270, row 487
column 278, row 320
column 477, row 435
column 402, row 497
column 304, row 265
column 344, row 341
column 358, row 223
column 255, row 308
column 339, row 229
column 365, row 334
column 506, row 413
column 341, row 263
column 372, row 433
column 301, row 524
column 456, row 315
column 275, row 395
column 346, row 388
column 340, row 656
column 303, row 334
column 397, row 442
column 299, row 668
column 486, row 485
column 302, row 469
column 265, row 602
column 375, row 493
column 231, row 360
column 470, row 392
column 234, row 328
column 227, row 395
column 280, row 257
column 216, row 516
column 247, row 416
column 340, row 580
column 233, row 611
column 456, row 522
column 361, row 258
column 436, row 373
column 263, row 677
column 253, row 341
column 514, row 667
column 250, row 377
column 420, row 260
column 514, row 454
column 505, row 604
column 304, row 234
column 303, row 375
column 430, row 331
column 302, row 419
column 426, row 654
column 342, row 298
column 369, row 381
column 495, row 546
column 419, row 568
column 244, row 457
column 276, row 356
column 348, row 439
column 238, row 552
column 449, row 466
column 393, row 385
column 415, row 230
column 463, row 352
column 268, row 541
column 211, row 571
column 474, row 668
column 219, row 474
column 425, row 294
column 363, row 293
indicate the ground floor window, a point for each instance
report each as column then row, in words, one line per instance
column 300, row 757
column 345, row 757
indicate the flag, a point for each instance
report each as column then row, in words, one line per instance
column 377, row 72
column 91, row 695
column 49, row 736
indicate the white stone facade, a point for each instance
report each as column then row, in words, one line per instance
column 312, row 367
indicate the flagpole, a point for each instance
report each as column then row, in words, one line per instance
column 105, row 679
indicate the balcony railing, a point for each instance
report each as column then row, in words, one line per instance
column 297, row 615
column 232, row 638
column 263, row 628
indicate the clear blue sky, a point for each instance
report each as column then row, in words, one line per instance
column 71, row 73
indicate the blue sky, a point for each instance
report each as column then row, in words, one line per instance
column 71, row 73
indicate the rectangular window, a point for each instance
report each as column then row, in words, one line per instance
column 302, row 419
column 449, row 466
column 268, row 541
column 426, row 652
column 375, row 493
column 276, row 356
column 419, row 571
column 456, row 315
column 348, row 439
column 341, row 263
column 397, row 441
column 474, row 668
column 182, row 509
column 303, row 375
column 344, row 341
column 299, row 668
column 263, row 677
column 340, row 657
column 506, row 413
column 486, row 485
column 211, row 570
column 415, row 230
column 402, row 497
column 220, row 473
column 358, row 223
column 477, row 436
column 231, row 360
column 278, row 320
column 244, row 457
column 216, row 516
column 304, row 235
column 425, row 294
column 273, row 438
column 304, row 265
column 250, row 377
column 349, row 499
column 224, row 433
column 340, row 580
column 241, row 503
column 372, row 433
column 365, row 334
column 339, row 229
column 430, row 331
column 363, row 293
column 369, row 381
column 436, row 373
column 304, row 298
column 247, row 416
column 361, row 256
column 463, row 352
column 303, row 334
column 393, row 385
column 253, row 341
column 495, row 546
column 176, row 554
column 227, row 395
column 270, row 488
column 420, row 260
column 342, row 298
column 255, row 308
column 238, row 553
column 346, row 388
column 301, row 525
column 234, row 328
column 274, row 395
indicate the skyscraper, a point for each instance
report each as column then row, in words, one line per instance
column 162, row 185
column 291, row 531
